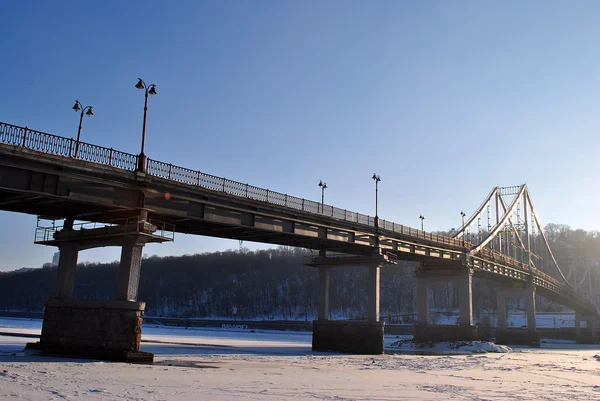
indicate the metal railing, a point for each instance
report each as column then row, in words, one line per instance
column 163, row 230
column 67, row 147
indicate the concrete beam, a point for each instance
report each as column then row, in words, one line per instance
column 67, row 264
column 129, row 272
column 530, row 304
column 465, row 297
column 374, row 292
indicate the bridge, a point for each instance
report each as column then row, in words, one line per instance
column 125, row 203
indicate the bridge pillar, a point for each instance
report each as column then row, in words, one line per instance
column 98, row 329
column 459, row 275
column 501, row 310
column 357, row 336
column 529, row 295
column 517, row 336
column 465, row 298
column 324, row 293
column 374, row 293
column 129, row 271
column 423, row 299
column 65, row 277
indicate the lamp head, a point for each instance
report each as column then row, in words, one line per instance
column 90, row 112
column 152, row 90
column 376, row 177
column 140, row 84
column 76, row 106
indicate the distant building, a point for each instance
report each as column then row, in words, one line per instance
column 54, row 262
column 55, row 258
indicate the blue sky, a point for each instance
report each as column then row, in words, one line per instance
column 444, row 100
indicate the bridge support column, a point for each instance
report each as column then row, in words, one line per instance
column 530, row 305
column 459, row 275
column 374, row 293
column 324, row 293
column 501, row 310
column 98, row 329
column 354, row 337
column 65, row 277
column 465, row 298
column 517, row 336
column 423, row 299
column 129, row 271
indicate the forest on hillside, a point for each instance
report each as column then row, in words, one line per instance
column 275, row 284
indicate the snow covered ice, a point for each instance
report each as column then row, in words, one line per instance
column 219, row 365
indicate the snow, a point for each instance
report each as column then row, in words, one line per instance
column 223, row 365
column 454, row 347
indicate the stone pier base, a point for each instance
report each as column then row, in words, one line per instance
column 518, row 337
column 110, row 330
column 444, row 332
column 352, row 337
column 587, row 339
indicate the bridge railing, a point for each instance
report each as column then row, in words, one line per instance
column 68, row 147
column 161, row 229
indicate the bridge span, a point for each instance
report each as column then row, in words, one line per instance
column 133, row 204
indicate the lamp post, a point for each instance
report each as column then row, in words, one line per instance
column 422, row 218
column 376, row 178
column 462, row 214
column 150, row 90
column 323, row 186
column 88, row 111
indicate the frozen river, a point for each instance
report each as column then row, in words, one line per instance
column 217, row 365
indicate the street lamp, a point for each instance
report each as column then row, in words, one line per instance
column 323, row 186
column 463, row 214
column 422, row 218
column 150, row 90
column 376, row 178
column 88, row 111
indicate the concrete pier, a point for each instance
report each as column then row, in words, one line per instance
column 462, row 277
column 514, row 336
column 355, row 337
column 109, row 330
column 98, row 329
